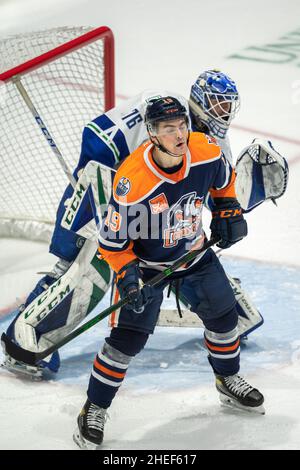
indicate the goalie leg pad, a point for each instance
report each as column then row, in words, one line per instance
column 64, row 243
column 92, row 192
column 249, row 318
column 58, row 304
column 81, row 209
column 58, row 310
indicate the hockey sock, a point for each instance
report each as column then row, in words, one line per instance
column 110, row 365
column 129, row 342
column 224, row 351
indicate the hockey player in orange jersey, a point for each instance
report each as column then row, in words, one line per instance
column 108, row 139
column 153, row 218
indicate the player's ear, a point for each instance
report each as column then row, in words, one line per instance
column 153, row 139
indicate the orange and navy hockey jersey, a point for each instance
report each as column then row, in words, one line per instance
column 156, row 216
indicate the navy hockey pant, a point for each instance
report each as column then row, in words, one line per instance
column 208, row 291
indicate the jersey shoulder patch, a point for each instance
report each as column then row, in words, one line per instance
column 134, row 181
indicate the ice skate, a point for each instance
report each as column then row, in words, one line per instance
column 21, row 369
column 91, row 421
column 45, row 369
column 235, row 392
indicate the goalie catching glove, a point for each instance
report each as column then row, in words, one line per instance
column 128, row 283
column 228, row 222
column 262, row 174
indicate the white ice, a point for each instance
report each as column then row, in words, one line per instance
column 168, row 400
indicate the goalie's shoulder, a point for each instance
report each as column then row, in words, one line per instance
column 134, row 180
column 203, row 148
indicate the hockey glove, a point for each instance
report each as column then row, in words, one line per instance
column 228, row 222
column 128, row 283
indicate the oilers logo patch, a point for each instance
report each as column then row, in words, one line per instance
column 123, row 187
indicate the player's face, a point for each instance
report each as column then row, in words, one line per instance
column 173, row 135
column 220, row 108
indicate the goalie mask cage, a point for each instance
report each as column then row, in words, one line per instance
column 68, row 74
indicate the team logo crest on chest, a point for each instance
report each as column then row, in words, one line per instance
column 184, row 219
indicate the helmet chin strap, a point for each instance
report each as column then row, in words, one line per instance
column 163, row 149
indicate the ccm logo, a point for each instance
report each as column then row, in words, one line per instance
column 228, row 213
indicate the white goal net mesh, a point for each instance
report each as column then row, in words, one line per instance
column 67, row 92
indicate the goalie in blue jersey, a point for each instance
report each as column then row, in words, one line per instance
column 79, row 280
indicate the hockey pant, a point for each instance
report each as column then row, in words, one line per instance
column 59, row 309
column 249, row 318
column 211, row 297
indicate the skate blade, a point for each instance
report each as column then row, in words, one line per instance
column 234, row 404
column 83, row 443
column 33, row 373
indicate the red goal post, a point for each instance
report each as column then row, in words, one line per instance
column 68, row 73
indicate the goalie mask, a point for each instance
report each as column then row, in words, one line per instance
column 214, row 102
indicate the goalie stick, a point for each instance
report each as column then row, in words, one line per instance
column 45, row 131
column 17, row 81
column 32, row 358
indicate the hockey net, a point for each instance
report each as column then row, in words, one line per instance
column 68, row 74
